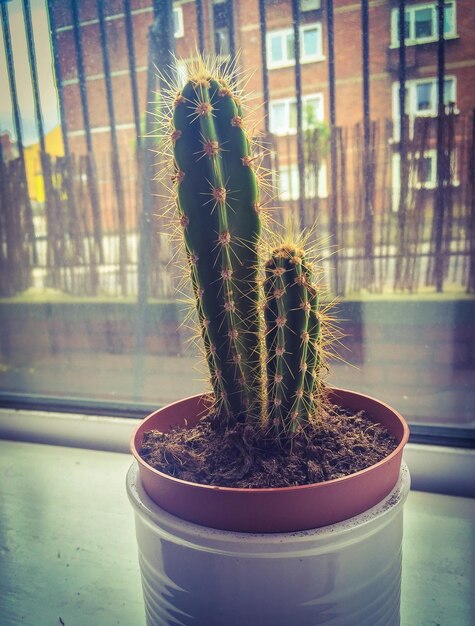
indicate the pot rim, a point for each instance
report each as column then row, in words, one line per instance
column 263, row 490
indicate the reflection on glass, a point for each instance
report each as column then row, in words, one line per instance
column 71, row 323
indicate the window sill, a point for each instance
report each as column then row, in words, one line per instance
column 437, row 469
column 422, row 42
column 280, row 66
column 69, row 553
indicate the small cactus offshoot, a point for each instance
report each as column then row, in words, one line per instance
column 292, row 340
column 259, row 322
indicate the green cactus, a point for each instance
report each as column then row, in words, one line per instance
column 292, row 341
column 266, row 379
column 218, row 203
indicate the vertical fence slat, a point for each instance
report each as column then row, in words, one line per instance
column 265, row 71
column 403, row 153
column 116, row 168
column 333, row 147
column 200, row 24
column 232, row 27
column 439, row 209
column 129, row 34
column 298, row 95
column 67, row 175
column 91, row 165
column 368, row 168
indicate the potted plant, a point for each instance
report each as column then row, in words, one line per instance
column 281, row 493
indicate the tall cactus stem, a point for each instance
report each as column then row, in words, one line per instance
column 217, row 192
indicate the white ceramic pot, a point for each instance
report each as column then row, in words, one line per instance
column 346, row 574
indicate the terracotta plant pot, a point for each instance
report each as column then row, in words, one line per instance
column 272, row 510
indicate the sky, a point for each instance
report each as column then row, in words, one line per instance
column 48, row 94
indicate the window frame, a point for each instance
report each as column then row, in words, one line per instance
column 411, row 99
column 283, row 34
column 412, row 40
column 289, row 130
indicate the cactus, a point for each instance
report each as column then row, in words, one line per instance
column 292, row 341
column 218, row 202
column 216, row 189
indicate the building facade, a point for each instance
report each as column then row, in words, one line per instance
column 237, row 26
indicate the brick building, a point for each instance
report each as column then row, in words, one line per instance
column 236, row 25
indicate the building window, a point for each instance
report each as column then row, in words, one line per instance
column 309, row 5
column 289, row 187
column 281, row 49
column 422, row 172
column 420, row 23
column 283, row 114
column 178, row 22
column 421, row 98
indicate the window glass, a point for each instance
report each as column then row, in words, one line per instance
column 425, row 169
column 313, row 111
column 449, row 91
column 292, row 116
column 91, row 291
column 407, row 25
column 310, row 42
column 289, row 41
column 449, row 23
column 277, row 52
column 424, row 22
column 424, row 99
column 278, row 117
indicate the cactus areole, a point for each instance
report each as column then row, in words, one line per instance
column 217, row 196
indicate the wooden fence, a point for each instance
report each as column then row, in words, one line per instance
column 382, row 229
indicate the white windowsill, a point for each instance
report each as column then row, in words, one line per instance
column 435, row 469
column 421, row 42
column 279, row 66
column 69, row 554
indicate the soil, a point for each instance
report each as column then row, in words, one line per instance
column 339, row 445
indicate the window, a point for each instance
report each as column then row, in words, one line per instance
column 422, row 172
column 289, row 187
column 71, row 330
column 421, row 98
column 421, row 23
column 280, row 46
column 178, row 22
column 309, row 5
column 283, row 114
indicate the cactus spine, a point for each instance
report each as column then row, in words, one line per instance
column 218, row 203
column 292, row 341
